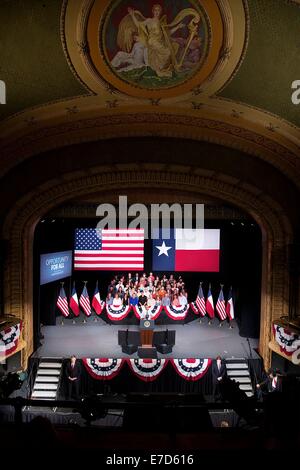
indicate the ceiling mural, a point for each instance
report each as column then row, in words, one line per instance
column 84, row 70
column 154, row 50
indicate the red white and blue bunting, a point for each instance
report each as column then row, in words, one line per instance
column 153, row 312
column 177, row 313
column 147, row 369
column 289, row 342
column 191, row 369
column 9, row 339
column 194, row 307
column 104, row 368
column 117, row 313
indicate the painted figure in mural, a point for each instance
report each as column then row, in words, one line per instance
column 136, row 58
column 156, row 36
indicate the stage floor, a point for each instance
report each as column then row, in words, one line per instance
column 99, row 339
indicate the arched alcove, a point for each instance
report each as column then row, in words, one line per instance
column 21, row 221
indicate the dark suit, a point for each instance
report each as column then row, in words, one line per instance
column 73, row 385
column 268, row 386
column 216, row 373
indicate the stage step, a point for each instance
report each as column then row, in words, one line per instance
column 247, row 388
column 242, row 380
column 44, row 394
column 237, row 369
column 237, row 365
column 50, row 365
column 48, row 372
column 45, row 386
column 238, row 373
column 45, row 378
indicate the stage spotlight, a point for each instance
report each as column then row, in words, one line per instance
column 242, row 223
column 231, row 223
column 42, row 221
column 53, row 220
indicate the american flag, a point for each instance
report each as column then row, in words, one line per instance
column 62, row 302
column 200, row 301
column 85, row 302
column 102, row 249
column 220, row 307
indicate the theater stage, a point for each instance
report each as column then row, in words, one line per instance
column 100, row 339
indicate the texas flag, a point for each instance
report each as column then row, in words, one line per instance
column 186, row 250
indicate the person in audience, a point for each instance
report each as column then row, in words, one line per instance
column 126, row 299
column 117, row 302
column 143, row 299
column 73, row 373
column 218, row 374
column 182, row 299
column 269, row 385
column 109, row 299
column 175, row 301
column 151, row 278
column 133, row 299
column 165, row 300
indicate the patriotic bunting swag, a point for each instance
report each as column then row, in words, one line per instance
column 9, row 339
column 191, row 369
column 176, row 313
column 103, row 369
column 147, row 369
column 117, row 312
column 153, row 311
column 289, row 342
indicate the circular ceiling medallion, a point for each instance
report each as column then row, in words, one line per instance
column 154, row 47
column 148, row 49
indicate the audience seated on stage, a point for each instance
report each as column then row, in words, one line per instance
column 150, row 290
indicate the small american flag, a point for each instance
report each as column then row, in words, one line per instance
column 85, row 303
column 62, row 302
column 220, row 307
column 200, row 301
column 102, row 249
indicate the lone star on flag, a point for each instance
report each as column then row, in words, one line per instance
column 163, row 249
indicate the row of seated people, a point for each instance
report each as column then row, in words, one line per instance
column 147, row 290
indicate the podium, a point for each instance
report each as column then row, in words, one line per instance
column 146, row 333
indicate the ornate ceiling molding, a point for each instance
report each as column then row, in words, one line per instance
column 231, row 131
